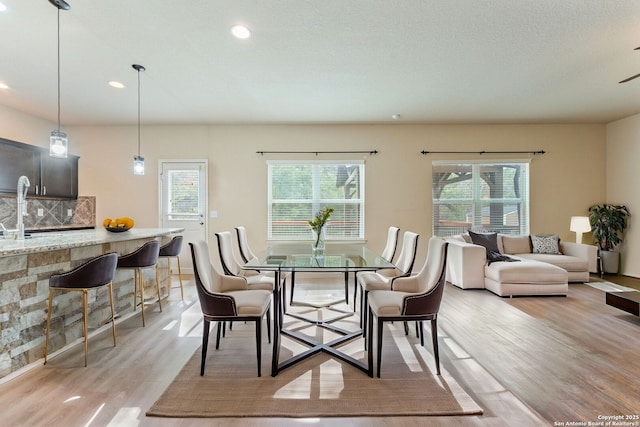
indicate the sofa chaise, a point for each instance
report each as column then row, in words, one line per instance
column 534, row 272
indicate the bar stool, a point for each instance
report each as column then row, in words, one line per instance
column 172, row 250
column 94, row 273
column 143, row 257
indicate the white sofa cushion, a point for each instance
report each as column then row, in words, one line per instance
column 525, row 272
column 512, row 245
column 569, row 263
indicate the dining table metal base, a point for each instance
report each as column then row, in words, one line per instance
column 285, row 261
column 330, row 347
column 315, row 346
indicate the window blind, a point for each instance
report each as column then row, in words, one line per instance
column 481, row 196
column 299, row 189
column 182, row 190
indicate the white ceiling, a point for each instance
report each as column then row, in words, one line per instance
column 324, row 61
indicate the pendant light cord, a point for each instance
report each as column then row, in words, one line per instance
column 58, row 70
column 138, row 113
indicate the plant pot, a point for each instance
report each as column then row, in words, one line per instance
column 610, row 261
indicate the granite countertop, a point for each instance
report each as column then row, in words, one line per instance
column 48, row 241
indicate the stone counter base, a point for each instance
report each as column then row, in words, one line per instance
column 24, row 292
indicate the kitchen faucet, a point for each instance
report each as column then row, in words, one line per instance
column 21, row 202
column 23, row 187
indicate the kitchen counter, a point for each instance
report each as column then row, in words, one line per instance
column 48, row 241
column 25, row 268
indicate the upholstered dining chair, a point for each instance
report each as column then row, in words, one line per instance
column 226, row 298
column 143, row 257
column 381, row 280
column 231, row 266
column 243, row 244
column 171, row 250
column 388, row 253
column 412, row 298
column 246, row 253
column 95, row 273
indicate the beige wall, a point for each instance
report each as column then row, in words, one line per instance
column 21, row 127
column 623, row 176
column 564, row 182
column 398, row 179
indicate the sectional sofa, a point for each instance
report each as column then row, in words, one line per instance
column 529, row 273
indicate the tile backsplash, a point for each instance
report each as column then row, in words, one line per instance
column 47, row 214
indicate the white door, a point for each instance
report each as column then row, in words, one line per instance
column 183, row 202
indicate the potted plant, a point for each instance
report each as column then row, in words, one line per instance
column 608, row 223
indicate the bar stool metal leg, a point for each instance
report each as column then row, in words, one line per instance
column 46, row 339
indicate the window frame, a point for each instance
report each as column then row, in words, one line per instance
column 478, row 202
column 316, row 201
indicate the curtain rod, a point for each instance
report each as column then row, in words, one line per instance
column 482, row 152
column 262, row 153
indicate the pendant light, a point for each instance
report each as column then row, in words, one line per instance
column 138, row 161
column 58, row 143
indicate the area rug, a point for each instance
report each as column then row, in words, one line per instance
column 317, row 387
column 609, row 287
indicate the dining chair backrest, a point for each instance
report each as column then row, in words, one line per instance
column 428, row 275
column 243, row 244
column 209, row 284
column 407, row 256
column 228, row 259
column 431, row 283
column 392, row 243
column 204, row 272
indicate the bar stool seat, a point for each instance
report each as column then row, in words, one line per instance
column 95, row 273
column 143, row 257
column 172, row 250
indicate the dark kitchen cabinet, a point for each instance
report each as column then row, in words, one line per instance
column 58, row 177
column 17, row 159
column 48, row 176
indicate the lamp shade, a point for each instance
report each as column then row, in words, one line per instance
column 580, row 224
column 58, row 144
column 138, row 165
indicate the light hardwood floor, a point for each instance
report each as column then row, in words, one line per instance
column 526, row 361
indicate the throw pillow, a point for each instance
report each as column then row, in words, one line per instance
column 488, row 240
column 546, row 244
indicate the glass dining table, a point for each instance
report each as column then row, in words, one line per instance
column 291, row 259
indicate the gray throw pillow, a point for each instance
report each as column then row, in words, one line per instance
column 488, row 240
column 546, row 244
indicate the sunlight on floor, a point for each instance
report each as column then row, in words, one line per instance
column 191, row 322
column 405, row 347
column 128, row 417
column 95, row 415
column 331, row 383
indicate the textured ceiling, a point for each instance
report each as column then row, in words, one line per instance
column 324, row 61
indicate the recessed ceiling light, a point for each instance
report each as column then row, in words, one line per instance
column 240, row 32
column 116, row 84
column 2, row 7
column 3, row 86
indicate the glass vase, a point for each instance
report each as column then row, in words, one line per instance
column 318, row 245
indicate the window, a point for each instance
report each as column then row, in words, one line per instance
column 182, row 192
column 482, row 196
column 299, row 189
